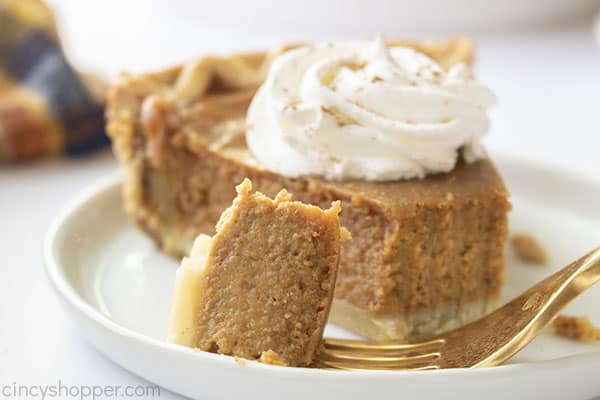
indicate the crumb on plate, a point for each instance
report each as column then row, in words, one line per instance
column 529, row 249
column 576, row 328
column 240, row 361
column 271, row 357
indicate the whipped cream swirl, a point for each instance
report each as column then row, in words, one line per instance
column 362, row 110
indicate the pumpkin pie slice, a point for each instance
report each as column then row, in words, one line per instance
column 426, row 255
column 261, row 287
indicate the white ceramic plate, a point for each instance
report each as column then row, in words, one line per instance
column 117, row 287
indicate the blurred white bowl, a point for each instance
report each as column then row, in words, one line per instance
column 379, row 16
column 140, row 35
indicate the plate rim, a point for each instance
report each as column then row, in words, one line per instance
column 69, row 296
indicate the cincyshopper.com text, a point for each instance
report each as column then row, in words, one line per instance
column 61, row 390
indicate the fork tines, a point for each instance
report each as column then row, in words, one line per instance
column 365, row 355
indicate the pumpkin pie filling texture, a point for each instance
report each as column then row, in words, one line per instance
column 426, row 255
column 261, row 287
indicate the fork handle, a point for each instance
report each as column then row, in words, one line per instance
column 559, row 289
column 497, row 337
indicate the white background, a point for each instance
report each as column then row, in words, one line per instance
column 546, row 76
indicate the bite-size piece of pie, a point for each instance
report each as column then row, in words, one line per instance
column 262, row 286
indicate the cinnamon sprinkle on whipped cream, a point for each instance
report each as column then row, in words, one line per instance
column 363, row 110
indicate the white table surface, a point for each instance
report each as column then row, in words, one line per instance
column 548, row 84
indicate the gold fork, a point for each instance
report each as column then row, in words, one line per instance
column 486, row 342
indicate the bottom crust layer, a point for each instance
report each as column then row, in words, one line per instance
column 413, row 327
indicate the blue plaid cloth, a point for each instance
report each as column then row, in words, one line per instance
column 45, row 106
